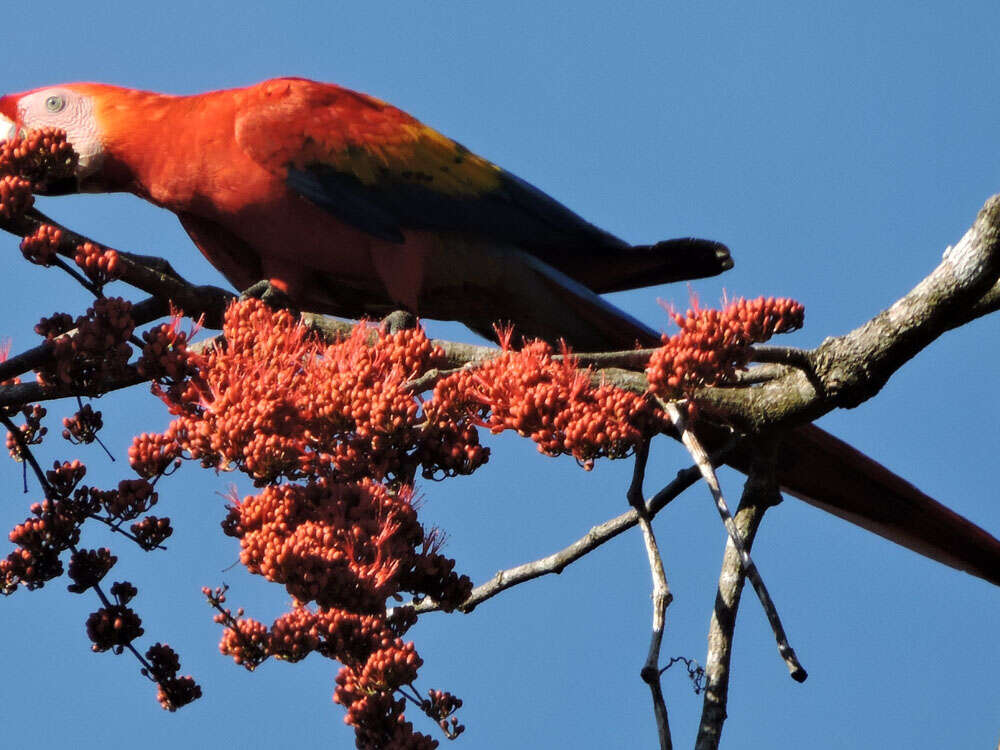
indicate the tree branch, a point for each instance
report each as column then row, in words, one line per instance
column 759, row 493
column 598, row 535
column 661, row 598
column 150, row 274
column 697, row 452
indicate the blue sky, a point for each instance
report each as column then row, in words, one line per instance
column 837, row 148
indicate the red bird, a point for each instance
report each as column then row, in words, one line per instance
column 352, row 207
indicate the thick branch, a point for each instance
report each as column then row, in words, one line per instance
column 152, row 275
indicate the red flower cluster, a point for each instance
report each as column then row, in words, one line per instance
column 88, row 567
column 39, row 156
column 165, row 354
column 97, row 352
column 82, row 427
column 32, row 431
column 551, row 401
column 29, row 161
column 100, row 264
column 42, row 245
column 113, row 626
column 15, row 196
column 275, row 402
column 713, row 344
column 173, row 691
column 342, row 545
column 152, row 454
column 376, row 662
column 340, row 422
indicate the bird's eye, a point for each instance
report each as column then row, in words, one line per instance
column 55, row 103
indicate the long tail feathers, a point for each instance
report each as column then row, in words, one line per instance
column 827, row 472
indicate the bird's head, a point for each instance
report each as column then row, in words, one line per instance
column 71, row 108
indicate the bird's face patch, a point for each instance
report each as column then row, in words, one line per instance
column 64, row 108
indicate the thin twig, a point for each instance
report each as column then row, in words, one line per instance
column 29, row 457
column 697, row 452
column 598, row 535
column 661, row 597
column 759, row 493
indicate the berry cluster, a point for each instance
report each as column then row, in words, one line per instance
column 339, row 424
column 713, row 344
column 32, row 432
column 15, row 196
column 100, row 264
column 42, row 245
column 552, row 401
column 39, row 157
column 54, row 527
column 164, row 353
column 173, row 691
column 275, row 402
column 59, row 323
column 442, row 706
column 82, row 427
column 151, row 532
column 27, row 163
column 98, row 352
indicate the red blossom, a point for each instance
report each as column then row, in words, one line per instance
column 97, row 352
column 31, row 432
column 713, row 344
column 15, row 196
column 83, row 426
column 38, row 156
column 88, row 567
column 151, row 532
column 100, row 264
column 276, row 402
column 113, row 626
column 50, row 328
column 551, row 401
column 42, row 245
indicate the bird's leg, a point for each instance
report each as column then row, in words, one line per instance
column 399, row 320
column 270, row 294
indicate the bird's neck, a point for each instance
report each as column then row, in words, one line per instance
column 161, row 147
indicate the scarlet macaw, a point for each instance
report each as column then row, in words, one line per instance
column 353, row 207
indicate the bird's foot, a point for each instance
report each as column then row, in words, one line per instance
column 271, row 295
column 399, row 320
